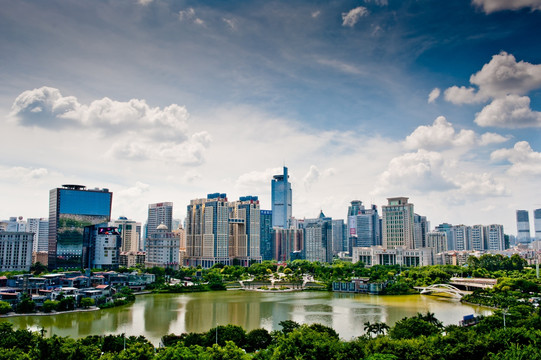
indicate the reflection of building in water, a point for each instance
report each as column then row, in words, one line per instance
column 159, row 311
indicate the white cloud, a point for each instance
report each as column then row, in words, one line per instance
column 502, row 76
column 134, row 129
column 315, row 14
column 135, row 191
column 189, row 15
column 484, row 184
column 25, row 174
column 144, row 2
column 378, row 2
column 490, row 6
column 463, row 95
column 256, row 180
column 524, row 160
column 232, row 23
column 434, row 94
column 512, row 111
column 441, row 134
column 353, row 16
column 419, row 171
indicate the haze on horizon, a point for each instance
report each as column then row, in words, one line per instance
column 171, row 100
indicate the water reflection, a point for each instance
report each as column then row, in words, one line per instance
column 156, row 315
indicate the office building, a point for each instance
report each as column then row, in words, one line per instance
column 159, row 213
column 163, row 248
column 244, row 230
column 130, row 233
column 15, row 250
column 523, row 227
column 537, row 223
column 339, row 236
column 448, row 230
column 420, row 228
column 101, row 246
column 363, row 226
column 40, row 228
column 281, row 198
column 207, row 231
column 14, row 224
column 71, row 208
column 318, row 239
column 462, row 234
column 287, row 244
column 478, row 238
column 436, row 240
column 377, row 255
column 495, row 237
column 397, row 223
column 266, row 234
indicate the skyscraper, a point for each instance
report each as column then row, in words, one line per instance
column 448, row 230
column 363, row 226
column 130, row 232
column 537, row 223
column 265, row 234
column 495, row 237
column 523, row 227
column 420, row 228
column 40, row 228
column 244, row 230
column 159, row 213
column 71, row 208
column 339, row 236
column 281, row 198
column 398, row 223
column 207, row 231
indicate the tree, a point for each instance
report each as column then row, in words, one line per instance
column 87, row 302
column 257, row 339
column 5, row 307
column 409, row 328
column 26, row 305
column 49, row 306
column 288, row 326
column 38, row 268
column 222, row 334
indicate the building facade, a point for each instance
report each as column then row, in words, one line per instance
column 71, row 208
column 537, row 223
column 377, row 255
column 130, row 232
column 245, row 230
column 363, row 226
column 287, row 244
column 15, row 250
column 339, row 236
column 281, row 197
column 266, row 235
column 101, row 249
column 523, row 227
column 420, row 228
column 163, row 248
column 159, row 213
column 437, row 241
column 398, row 223
column 40, row 228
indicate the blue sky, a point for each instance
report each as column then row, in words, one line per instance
column 170, row 100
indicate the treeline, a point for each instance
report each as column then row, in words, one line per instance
column 517, row 336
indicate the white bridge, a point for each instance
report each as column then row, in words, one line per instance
column 443, row 288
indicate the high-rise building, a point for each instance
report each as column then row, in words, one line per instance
column 537, row 223
column 436, row 240
column 130, row 232
column 266, row 234
column 40, row 228
column 495, row 237
column 159, row 213
column 318, row 239
column 102, row 244
column 420, row 228
column 163, row 248
column 207, row 231
column 397, row 223
column 15, row 250
column 363, row 226
column 71, row 208
column 479, row 238
column 462, row 234
column 286, row 243
column 523, row 227
column 244, row 230
column 448, row 230
column 339, row 236
column 14, row 224
column 281, row 198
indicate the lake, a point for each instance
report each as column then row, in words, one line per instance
column 155, row 315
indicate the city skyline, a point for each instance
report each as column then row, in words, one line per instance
column 366, row 100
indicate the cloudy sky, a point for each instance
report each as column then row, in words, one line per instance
column 439, row 101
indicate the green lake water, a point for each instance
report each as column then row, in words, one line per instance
column 156, row 315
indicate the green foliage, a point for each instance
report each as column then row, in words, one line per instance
column 87, row 302
column 26, row 305
column 5, row 307
column 257, row 339
column 49, row 306
column 409, row 328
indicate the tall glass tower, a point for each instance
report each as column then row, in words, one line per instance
column 71, row 208
column 281, row 200
column 537, row 223
column 523, row 227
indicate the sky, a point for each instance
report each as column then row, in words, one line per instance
column 438, row 101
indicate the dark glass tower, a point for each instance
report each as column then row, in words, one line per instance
column 281, row 198
column 71, row 208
